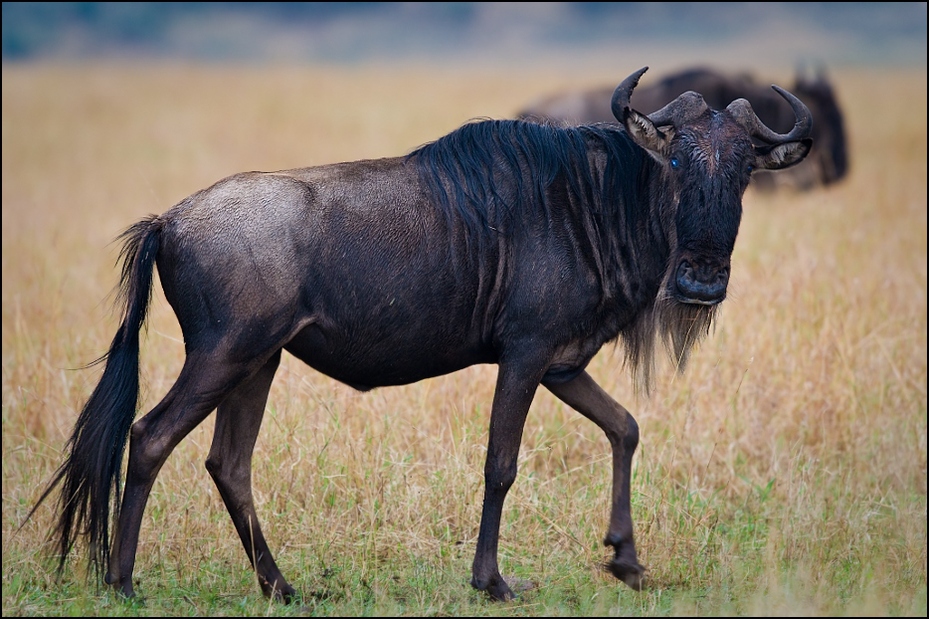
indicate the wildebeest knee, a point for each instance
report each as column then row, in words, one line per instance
column 631, row 439
column 147, row 451
column 500, row 478
column 137, row 430
column 213, row 466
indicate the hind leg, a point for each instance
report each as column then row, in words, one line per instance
column 203, row 383
column 238, row 421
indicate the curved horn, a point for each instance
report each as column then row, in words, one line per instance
column 687, row 106
column 623, row 92
column 742, row 111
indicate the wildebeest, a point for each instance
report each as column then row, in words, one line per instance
column 504, row 242
column 827, row 163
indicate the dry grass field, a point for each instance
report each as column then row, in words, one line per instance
column 783, row 474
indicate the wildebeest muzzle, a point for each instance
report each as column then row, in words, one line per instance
column 700, row 281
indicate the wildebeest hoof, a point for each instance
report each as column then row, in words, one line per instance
column 633, row 574
column 500, row 592
column 122, row 586
column 504, row 590
column 285, row 594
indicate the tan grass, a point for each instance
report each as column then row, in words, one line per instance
column 804, row 415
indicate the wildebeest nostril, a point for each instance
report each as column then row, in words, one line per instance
column 701, row 283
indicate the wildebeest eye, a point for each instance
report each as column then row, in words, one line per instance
column 675, row 162
column 750, row 168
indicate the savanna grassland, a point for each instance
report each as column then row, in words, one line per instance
column 783, row 474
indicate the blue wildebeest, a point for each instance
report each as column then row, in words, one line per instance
column 507, row 242
column 826, row 164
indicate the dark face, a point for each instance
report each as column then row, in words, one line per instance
column 709, row 165
column 707, row 157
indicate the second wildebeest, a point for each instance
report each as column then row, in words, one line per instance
column 828, row 161
column 504, row 242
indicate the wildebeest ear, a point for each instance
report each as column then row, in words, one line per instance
column 644, row 133
column 783, row 155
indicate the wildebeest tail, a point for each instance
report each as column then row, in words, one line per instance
column 91, row 474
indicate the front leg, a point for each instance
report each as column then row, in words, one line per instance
column 514, row 392
column 586, row 397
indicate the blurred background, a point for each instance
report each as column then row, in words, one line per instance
column 783, row 475
column 736, row 34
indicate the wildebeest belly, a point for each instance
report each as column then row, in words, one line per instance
column 365, row 358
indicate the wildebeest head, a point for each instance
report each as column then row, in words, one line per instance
column 708, row 157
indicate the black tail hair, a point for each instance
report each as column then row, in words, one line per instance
column 92, row 471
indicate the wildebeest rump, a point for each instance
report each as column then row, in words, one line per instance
column 828, row 160
column 508, row 242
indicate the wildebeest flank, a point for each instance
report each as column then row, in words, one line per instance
column 828, row 160
column 506, row 242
